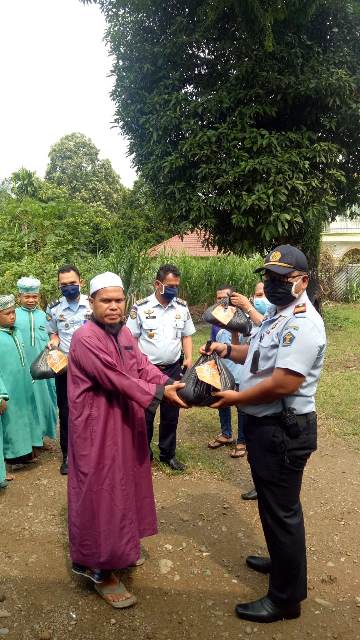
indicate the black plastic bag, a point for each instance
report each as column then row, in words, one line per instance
column 238, row 322
column 198, row 393
column 40, row 368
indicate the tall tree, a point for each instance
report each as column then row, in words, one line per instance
column 244, row 116
column 74, row 163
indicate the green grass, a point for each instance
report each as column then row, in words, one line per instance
column 337, row 397
column 339, row 388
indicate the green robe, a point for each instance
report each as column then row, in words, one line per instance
column 20, row 420
column 3, row 396
column 32, row 327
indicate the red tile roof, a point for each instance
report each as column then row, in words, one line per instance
column 191, row 244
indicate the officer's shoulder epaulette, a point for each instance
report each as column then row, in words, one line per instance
column 182, row 302
column 141, row 302
column 53, row 303
column 299, row 308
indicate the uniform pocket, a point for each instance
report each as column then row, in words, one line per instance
column 266, row 449
column 300, row 449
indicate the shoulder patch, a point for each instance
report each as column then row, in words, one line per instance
column 53, row 303
column 299, row 308
column 182, row 302
column 141, row 302
column 133, row 313
column 288, row 338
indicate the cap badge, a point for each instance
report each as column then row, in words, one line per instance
column 275, row 256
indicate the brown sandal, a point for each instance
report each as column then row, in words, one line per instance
column 220, row 441
column 239, row 451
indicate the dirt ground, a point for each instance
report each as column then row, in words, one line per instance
column 195, row 572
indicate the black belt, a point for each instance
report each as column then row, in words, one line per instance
column 267, row 421
column 163, row 367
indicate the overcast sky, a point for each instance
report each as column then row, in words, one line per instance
column 54, row 68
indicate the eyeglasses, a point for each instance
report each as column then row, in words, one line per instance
column 279, row 278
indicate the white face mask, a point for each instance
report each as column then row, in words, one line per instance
column 293, row 292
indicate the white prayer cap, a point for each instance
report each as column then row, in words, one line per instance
column 28, row 285
column 104, row 280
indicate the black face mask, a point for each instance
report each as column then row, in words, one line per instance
column 279, row 293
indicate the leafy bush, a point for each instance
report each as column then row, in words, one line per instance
column 352, row 292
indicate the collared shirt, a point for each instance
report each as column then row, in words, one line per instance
column 65, row 317
column 291, row 338
column 159, row 328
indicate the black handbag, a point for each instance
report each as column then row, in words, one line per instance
column 40, row 368
column 234, row 321
column 198, row 393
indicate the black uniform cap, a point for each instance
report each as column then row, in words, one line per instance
column 285, row 259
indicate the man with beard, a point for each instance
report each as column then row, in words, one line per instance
column 281, row 370
column 110, row 384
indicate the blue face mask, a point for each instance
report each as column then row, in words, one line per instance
column 70, row 291
column 170, row 293
column 261, row 305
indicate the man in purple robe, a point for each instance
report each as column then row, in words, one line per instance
column 111, row 500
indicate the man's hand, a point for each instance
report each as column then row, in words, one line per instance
column 53, row 342
column 218, row 347
column 3, row 406
column 225, row 399
column 187, row 363
column 170, row 394
column 238, row 300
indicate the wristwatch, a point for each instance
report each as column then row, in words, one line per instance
column 228, row 350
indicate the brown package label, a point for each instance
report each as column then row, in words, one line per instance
column 224, row 315
column 57, row 360
column 209, row 373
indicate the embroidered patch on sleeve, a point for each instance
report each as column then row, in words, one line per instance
column 288, row 339
column 133, row 313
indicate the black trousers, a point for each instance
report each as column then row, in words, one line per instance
column 63, row 406
column 277, row 463
column 169, row 418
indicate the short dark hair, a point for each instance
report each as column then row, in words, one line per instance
column 66, row 268
column 164, row 271
column 224, row 287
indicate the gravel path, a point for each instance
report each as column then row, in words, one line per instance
column 195, row 572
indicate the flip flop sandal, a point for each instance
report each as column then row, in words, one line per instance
column 139, row 562
column 96, row 575
column 239, row 451
column 120, row 589
column 216, row 443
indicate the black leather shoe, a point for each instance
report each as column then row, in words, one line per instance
column 64, row 467
column 262, row 565
column 250, row 495
column 173, row 463
column 264, row 610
